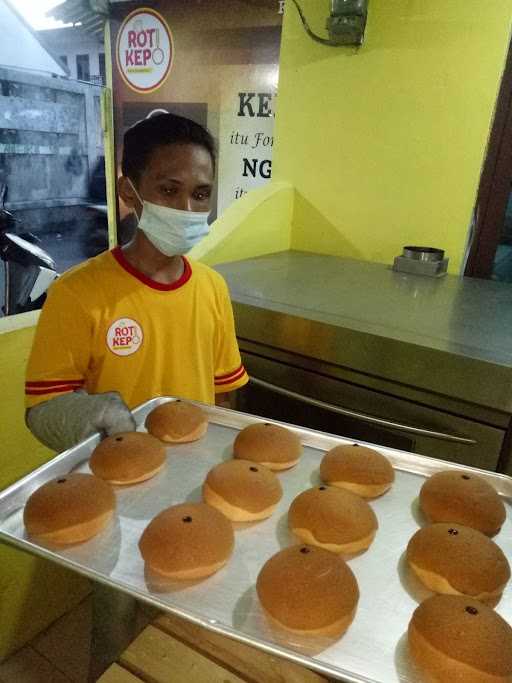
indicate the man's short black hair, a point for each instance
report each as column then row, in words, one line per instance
column 141, row 140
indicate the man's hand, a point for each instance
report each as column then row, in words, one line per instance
column 64, row 421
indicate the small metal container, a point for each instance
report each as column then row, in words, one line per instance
column 427, row 261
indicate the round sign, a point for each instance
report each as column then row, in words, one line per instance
column 145, row 50
column 124, row 337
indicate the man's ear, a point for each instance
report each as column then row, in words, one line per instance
column 127, row 194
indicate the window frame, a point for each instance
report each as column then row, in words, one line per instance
column 86, row 60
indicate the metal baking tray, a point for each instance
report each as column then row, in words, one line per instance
column 373, row 649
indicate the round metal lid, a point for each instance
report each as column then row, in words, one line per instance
column 423, row 253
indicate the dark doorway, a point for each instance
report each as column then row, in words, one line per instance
column 490, row 254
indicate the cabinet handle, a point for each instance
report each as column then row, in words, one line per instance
column 361, row 416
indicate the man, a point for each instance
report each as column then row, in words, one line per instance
column 141, row 321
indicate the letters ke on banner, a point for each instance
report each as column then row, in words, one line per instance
column 246, row 133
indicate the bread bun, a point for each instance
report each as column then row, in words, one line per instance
column 177, row 422
column 69, row 509
column 187, row 541
column 455, row 639
column 361, row 470
column 242, row 490
column 276, row 447
column 308, row 590
column 462, row 498
column 333, row 519
column 127, row 458
column 451, row 558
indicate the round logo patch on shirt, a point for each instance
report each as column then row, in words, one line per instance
column 124, row 337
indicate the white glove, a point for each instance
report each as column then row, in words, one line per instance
column 64, row 421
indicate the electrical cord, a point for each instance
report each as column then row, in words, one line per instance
column 311, row 34
column 325, row 41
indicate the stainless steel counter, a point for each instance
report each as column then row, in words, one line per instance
column 451, row 336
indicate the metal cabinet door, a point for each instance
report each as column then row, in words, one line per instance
column 299, row 396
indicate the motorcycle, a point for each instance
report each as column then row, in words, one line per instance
column 28, row 269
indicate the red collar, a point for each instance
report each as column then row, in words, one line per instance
column 117, row 253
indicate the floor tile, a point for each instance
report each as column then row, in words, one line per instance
column 28, row 666
column 61, row 654
column 66, row 643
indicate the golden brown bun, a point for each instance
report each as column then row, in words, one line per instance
column 461, row 498
column 362, row 470
column 177, row 422
column 451, row 558
column 308, row 590
column 333, row 519
column 187, row 541
column 455, row 639
column 127, row 458
column 69, row 509
column 242, row 490
column 278, row 448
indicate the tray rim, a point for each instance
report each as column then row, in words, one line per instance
column 227, row 415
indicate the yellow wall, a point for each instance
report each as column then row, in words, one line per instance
column 384, row 145
column 258, row 223
column 33, row 592
column 20, row 452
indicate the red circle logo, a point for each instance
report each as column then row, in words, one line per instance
column 144, row 50
column 124, row 337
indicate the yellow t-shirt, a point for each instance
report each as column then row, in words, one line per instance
column 107, row 327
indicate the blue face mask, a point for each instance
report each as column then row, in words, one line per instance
column 171, row 231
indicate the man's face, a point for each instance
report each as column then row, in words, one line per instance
column 179, row 176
